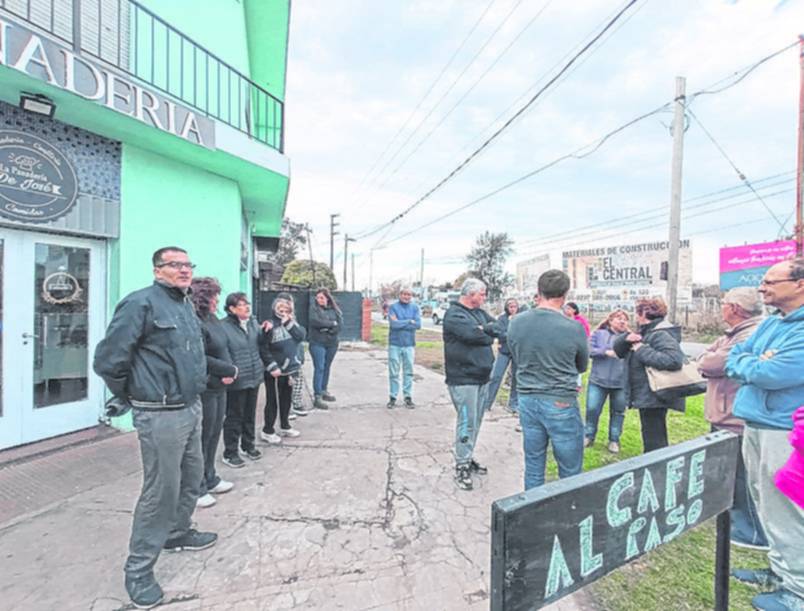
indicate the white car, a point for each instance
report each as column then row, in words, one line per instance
column 438, row 313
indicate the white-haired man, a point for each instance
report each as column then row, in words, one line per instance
column 469, row 332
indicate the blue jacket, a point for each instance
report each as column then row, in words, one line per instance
column 770, row 367
column 607, row 371
column 403, row 329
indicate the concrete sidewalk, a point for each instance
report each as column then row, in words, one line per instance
column 360, row 512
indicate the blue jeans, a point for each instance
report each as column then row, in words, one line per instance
column 322, row 363
column 399, row 355
column 497, row 375
column 595, row 398
column 468, row 400
column 548, row 421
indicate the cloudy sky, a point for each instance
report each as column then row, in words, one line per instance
column 386, row 98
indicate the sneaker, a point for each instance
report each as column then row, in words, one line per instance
column 191, row 541
column 291, row 432
column 760, row 578
column 300, row 411
column 222, row 487
column 292, row 416
column 253, row 453
column 779, row 600
column 518, row 428
column 409, row 403
column 235, row 462
column 614, row 447
column 271, row 438
column 144, row 592
column 748, row 545
column 587, row 442
column 391, row 403
column 319, row 403
column 511, row 410
column 463, row 477
column 327, row 397
column 206, row 500
column 476, row 467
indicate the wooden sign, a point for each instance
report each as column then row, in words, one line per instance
column 555, row 539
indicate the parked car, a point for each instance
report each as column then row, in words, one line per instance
column 438, row 313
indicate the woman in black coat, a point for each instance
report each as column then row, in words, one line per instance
column 325, row 326
column 221, row 372
column 655, row 344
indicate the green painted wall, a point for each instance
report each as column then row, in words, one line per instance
column 267, row 23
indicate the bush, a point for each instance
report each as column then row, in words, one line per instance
column 300, row 273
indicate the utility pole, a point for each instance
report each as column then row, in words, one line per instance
column 799, row 231
column 346, row 240
column 332, row 234
column 421, row 275
column 310, row 250
column 353, row 272
column 371, row 270
column 675, row 197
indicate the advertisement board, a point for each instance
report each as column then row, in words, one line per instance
column 528, row 272
column 746, row 265
column 612, row 276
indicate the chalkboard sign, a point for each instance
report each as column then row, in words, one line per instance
column 555, row 539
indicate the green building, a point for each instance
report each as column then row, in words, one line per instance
column 125, row 126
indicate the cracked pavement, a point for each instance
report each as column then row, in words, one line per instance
column 358, row 513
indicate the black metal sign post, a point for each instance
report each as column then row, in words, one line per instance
column 553, row 540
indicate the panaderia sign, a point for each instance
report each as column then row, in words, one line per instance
column 41, row 58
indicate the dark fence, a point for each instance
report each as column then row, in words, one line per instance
column 351, row 304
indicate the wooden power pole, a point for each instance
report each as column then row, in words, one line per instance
column 675, row 197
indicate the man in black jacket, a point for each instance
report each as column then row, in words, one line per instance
column 468, row 332
column 153, row 359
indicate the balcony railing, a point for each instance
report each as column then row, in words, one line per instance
column 130, row 37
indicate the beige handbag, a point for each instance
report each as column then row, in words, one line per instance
column 669, row 385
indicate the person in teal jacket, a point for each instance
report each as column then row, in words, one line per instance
column 405, row 319
column 770, row 367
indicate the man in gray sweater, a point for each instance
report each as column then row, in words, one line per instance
column 550, row 350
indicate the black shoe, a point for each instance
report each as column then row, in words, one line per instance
column 477, row 467
column 391, row 403
column 235, row 462
column 144, row 591
column 253, row 453
column 327, row 397
column 319, row 403
column 463, row 477
column 409, row 403
column 191, row 541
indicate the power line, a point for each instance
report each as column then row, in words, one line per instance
column 508, row 123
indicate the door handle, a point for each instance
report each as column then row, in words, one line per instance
column 30, row 336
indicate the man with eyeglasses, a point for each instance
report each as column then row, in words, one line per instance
column 152, row 359
column 770, row 367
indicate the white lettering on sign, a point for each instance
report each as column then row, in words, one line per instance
column 43, row 59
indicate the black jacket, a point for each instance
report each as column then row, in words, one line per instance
column 325, row 325
column 279, row 348
column 660, row 350
column 245, row 351
column 502, row 333
column 468, row 357
column 219, row 361
column 153, row 352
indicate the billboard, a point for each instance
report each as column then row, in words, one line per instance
column 746, row 265
column 528, row 272
column 612, row 276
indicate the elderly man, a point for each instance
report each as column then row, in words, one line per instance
column 404, row 319
column 742, row 310
column 468, row 332
column 769, row 367
column 152, row 359
column 550, row 352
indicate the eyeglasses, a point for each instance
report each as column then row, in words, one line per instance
column 765, row 282
column 177, row 265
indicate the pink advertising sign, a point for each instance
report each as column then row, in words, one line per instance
column 736, row 258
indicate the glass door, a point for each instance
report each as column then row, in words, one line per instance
column 52, row 324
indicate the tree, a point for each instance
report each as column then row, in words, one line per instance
column 300, row 273
column 291, row 238
column 487, row 262
column 458, row 283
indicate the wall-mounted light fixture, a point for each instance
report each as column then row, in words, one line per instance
column 38, row 103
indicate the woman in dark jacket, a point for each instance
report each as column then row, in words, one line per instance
column 325, row 325
column 607, row 380
column 656, row 344
column 221, row 372
column 242, row 337
column 503, row 359
column 279, row 348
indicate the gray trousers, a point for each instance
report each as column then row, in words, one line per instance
column 469, row 401
column 172, row 467
column 764, row 452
